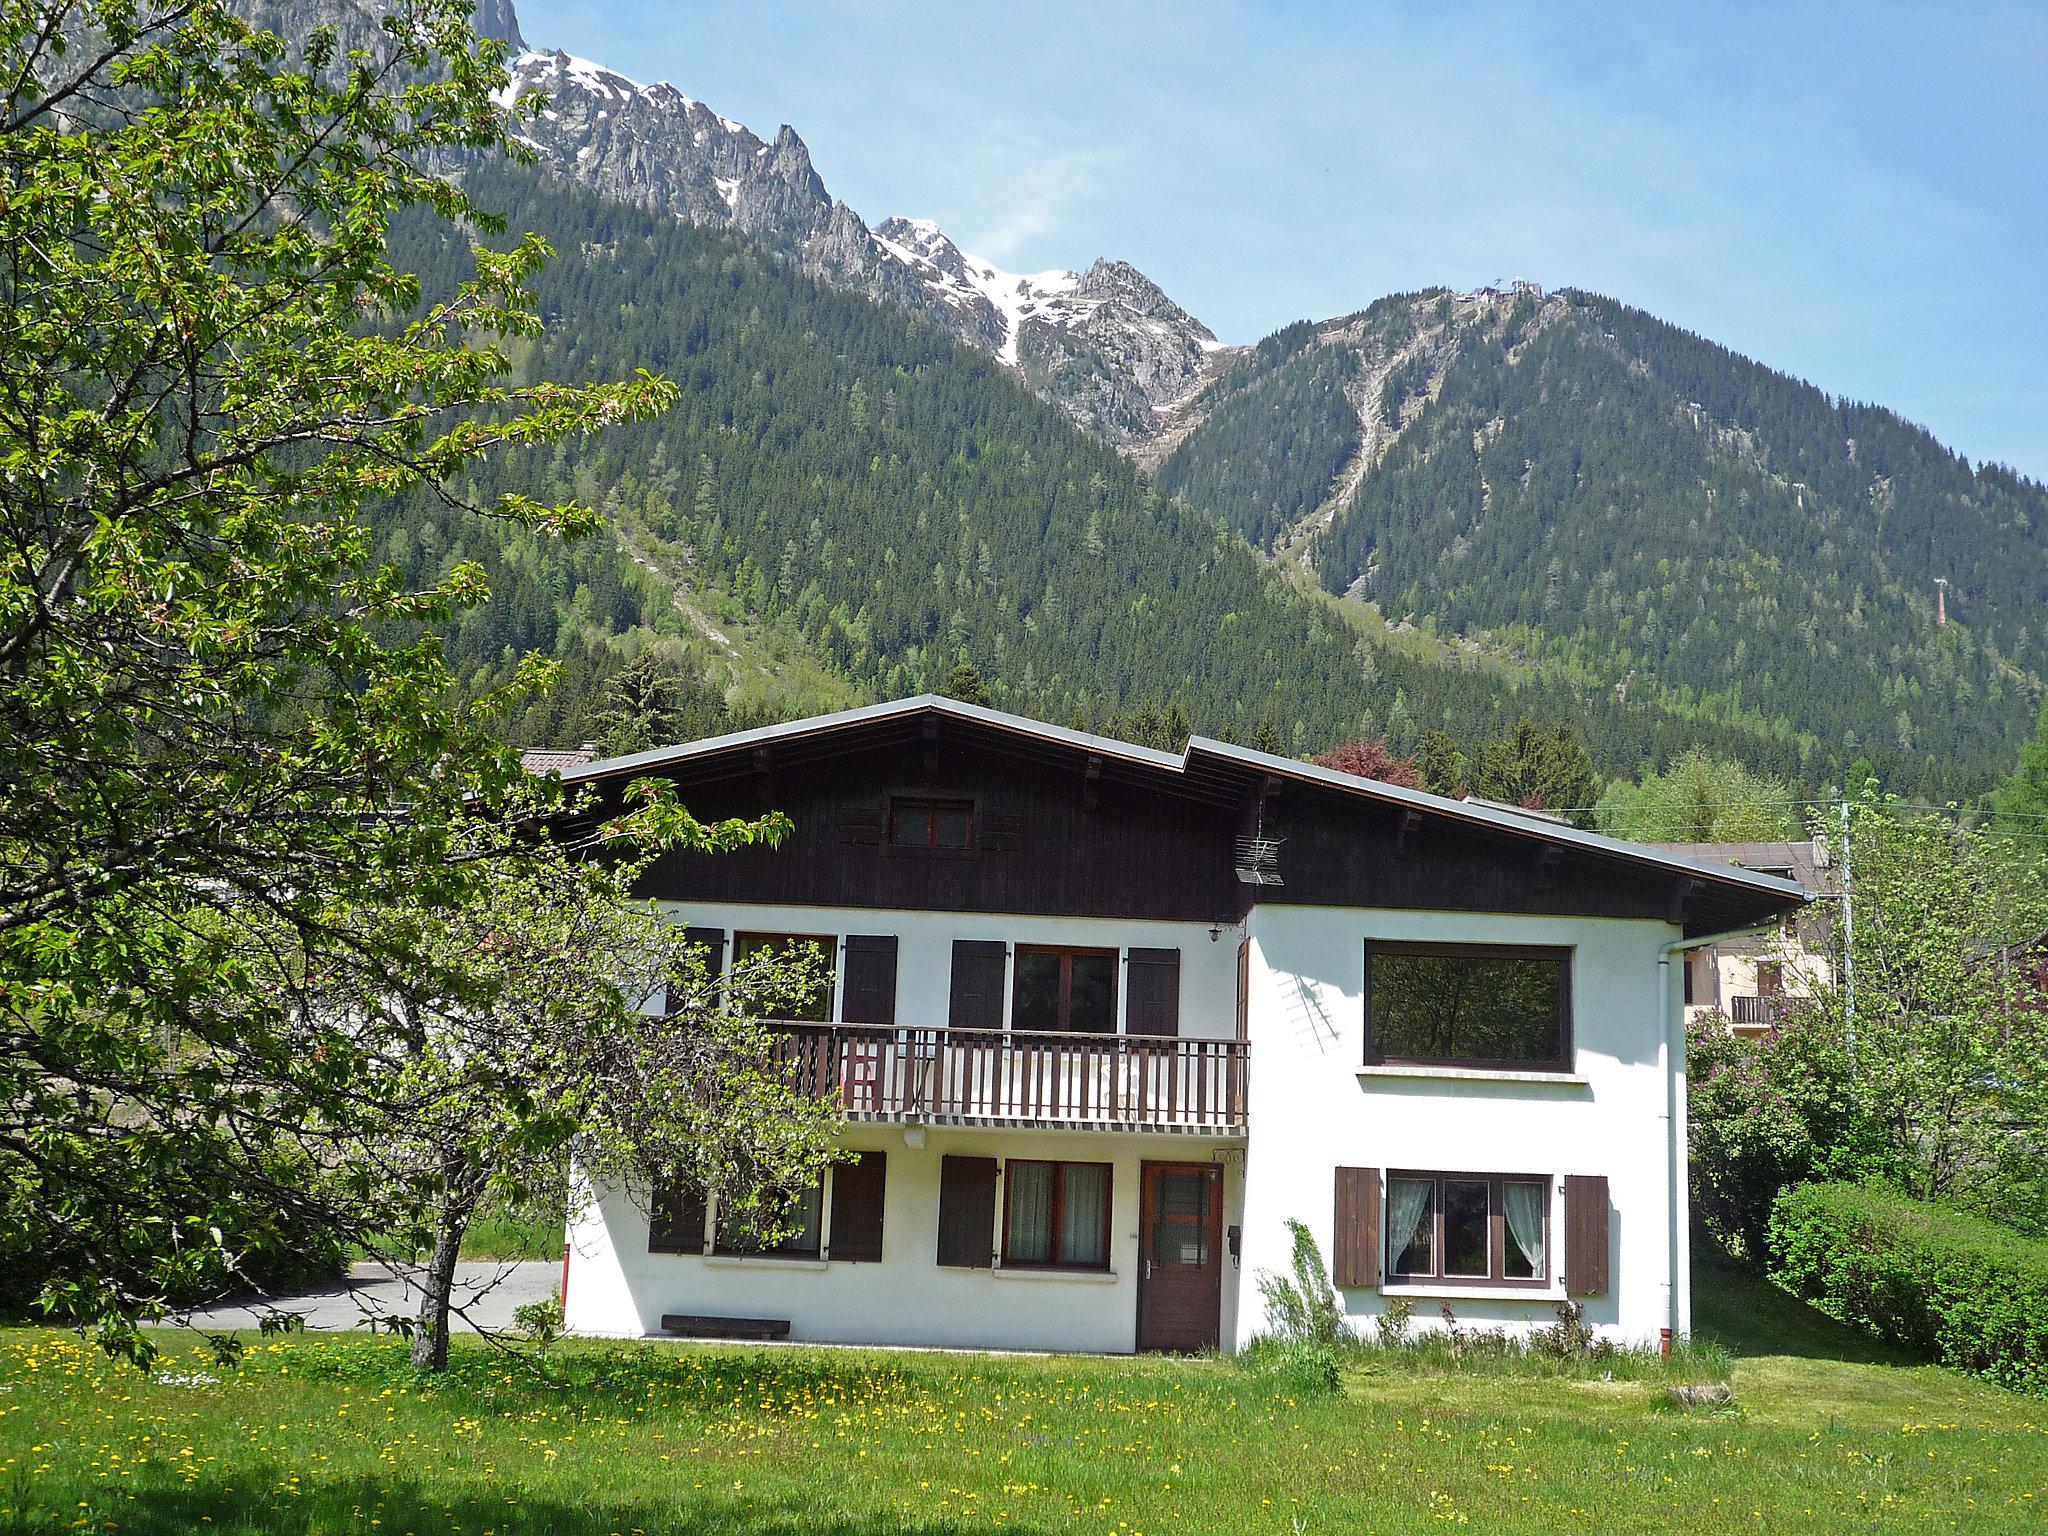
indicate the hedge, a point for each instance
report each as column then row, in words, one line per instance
column 1952, row 1287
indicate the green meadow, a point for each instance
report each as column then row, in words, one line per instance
column 1825, row 1433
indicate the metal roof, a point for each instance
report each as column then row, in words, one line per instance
column 1203, row 753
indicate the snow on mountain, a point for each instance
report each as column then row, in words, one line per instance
column 1105, row 345
column 955, row 277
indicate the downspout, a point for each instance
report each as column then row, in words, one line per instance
column 1674, row 1122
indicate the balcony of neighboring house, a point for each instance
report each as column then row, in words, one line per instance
column 1760, row 1011
column 1047, row 1079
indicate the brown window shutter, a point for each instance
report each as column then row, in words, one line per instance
column 1585, row 1234
column 1355, row 1246
column 713, row 940
column 857, row 1207
column 870, row 978
column 1154, row 1006
column 675, row 1224
column 977, row 999
column 967, row 1211
column 861, row 827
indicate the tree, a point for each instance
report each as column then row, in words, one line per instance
column 1440, row 767
column 228, row 730
column 1763, row 1114
column 1370, row 758
column 1536, row 768
column 1700, row 798
column 534, row 1034
column 1944, row 1053
column 964, row 683
column 2023, row 798
column 650, row 702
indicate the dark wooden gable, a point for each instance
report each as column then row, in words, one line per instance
column 1055, row 832
column 1065, row 825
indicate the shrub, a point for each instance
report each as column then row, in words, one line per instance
column 1303, row 1309
column 1948, row 1285
column 540, row 1321
column 1762, row 1115
column 1392, row 1324
column 1292, row 1367
column 1567, row 1338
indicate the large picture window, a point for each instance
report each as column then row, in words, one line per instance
column 812, row 1005
column 1468, row 1228
column 1468, row 1005
column 1065, row 989
column 1056, row 1215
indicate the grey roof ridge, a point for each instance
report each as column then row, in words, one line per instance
column 1509, row 821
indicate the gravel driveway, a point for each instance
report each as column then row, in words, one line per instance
column 489, row 1292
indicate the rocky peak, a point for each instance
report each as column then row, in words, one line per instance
column 1121, row 283
column 494, row 18
column 1107, row 346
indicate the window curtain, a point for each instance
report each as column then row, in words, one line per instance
column 1524, row 1204
column 1408, row 1200
column 1030, row 1206
column 1087, row 1202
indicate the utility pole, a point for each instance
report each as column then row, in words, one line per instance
column 1941, row 602
column 1848, row 942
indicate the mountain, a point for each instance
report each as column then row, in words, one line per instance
column 1570, row 479
column 863, row 501
column 1105, row 345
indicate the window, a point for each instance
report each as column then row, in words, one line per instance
column 1471, row 1005
column 811, row 1004
column 1056, row 1215
column 1468, row 1229
column 931, row 824
column 805, row 1220
column 1065, row 989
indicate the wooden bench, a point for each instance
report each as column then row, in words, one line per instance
column 692, row 1326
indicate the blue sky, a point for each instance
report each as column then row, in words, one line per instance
column 1856, row 193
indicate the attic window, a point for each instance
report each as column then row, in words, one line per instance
column 931, row 823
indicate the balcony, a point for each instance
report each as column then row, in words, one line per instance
column 1009, row 1077
column 1762, row 1012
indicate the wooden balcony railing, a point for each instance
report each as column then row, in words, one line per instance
column 1757, row 1012
column 1008, row 1077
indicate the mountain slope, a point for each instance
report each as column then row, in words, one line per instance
column 899, row 502
column 1576, row 480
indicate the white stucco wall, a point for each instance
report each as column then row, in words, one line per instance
column 617, row 1287
column 1311, row 1110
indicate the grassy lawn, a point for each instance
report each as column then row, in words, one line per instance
column 333, row 1435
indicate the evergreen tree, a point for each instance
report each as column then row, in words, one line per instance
column 964, row 683
column 1440, row 767
column 1539, row 769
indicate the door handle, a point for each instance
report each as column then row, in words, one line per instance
column 1148, row 1269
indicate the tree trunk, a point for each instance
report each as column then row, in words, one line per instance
column 462, row 1187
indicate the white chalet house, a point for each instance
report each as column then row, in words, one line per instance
column 1105, row 1018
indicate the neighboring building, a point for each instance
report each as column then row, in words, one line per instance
column 1105, row 1018
column 1750, row 979
column 547, row 760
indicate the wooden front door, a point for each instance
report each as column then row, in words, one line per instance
column 1180, row 1271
